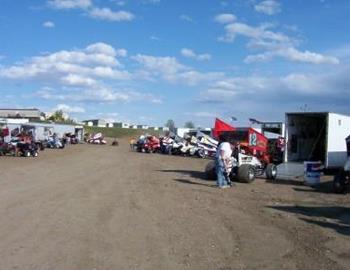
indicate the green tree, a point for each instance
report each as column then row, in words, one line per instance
column 189, row 124
column 171, row 125
column 58, row 116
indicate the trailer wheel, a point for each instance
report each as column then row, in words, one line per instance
column 210, row 170
column 271, row 171
column 246, row 173
column 339, row 182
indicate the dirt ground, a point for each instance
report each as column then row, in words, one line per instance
column 91, row 207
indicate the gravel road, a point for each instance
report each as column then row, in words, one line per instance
column 91, row 207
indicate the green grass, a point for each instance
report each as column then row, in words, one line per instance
column 119, row 132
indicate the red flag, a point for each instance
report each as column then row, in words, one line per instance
column 221, row 126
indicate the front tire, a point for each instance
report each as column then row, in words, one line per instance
column 246, row 173
column 201, row 153
column 271, row 171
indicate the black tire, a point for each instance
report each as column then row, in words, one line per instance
column 210, row 170
column 246, row 173
column 26, row 153
column 271, row 171
column 201, row 153
column 35, row 154
column 339, row 182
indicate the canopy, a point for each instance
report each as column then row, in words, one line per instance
column 221, row 126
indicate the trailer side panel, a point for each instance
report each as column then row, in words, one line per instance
column 338, row 130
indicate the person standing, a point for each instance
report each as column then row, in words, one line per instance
column 222, row 160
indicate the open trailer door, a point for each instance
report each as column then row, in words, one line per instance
column 306, row 135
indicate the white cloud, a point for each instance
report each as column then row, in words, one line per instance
column 191, row 54
column 97, row 94
column 121, row 3
column 259, row 33
column 169, row 69
column 122, row 53
column 271, row 96
column 204, row 114
column 269, row 7
column 70, row 4
column 292, row 87
column 293, row 54
column 225, row 18
column 273, row 44
column 101, row 48
column 186, row 18
column 101, row 13
column 154, row 38
column 109, row 15
column 49, row 24
column 77, row 80
column 151, row 1
column 97, row 60
column 69, row 109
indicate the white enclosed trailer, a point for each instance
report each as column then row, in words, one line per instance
column 317, row 136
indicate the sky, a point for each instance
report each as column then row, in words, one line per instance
column 147, row 61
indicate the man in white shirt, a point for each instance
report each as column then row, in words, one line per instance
column 222, row 160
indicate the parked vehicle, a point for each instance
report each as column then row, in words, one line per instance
column 96, row 139
column 55, row 143
column 148, row 144
column 249, row 158
column 27, row 149
column 7, row 149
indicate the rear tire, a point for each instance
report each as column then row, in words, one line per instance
column 339, row 182
column 246, row 173
column 27, row 153
column 271, row 171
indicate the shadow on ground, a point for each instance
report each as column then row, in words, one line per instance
column 325, row 187
column 194, row 174
column 289, row 182
column 336, row 218
column 197, row 175
column 185, row 181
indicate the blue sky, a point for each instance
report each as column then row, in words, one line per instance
column 145, row 61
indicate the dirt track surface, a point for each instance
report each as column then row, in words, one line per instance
column 101, row 207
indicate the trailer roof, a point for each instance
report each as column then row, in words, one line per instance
column 315, row 113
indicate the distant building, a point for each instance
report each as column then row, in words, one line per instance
column 142, row 127
column 121, row 125
column 31, row 114
column 95, row 123
column 154, row 128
